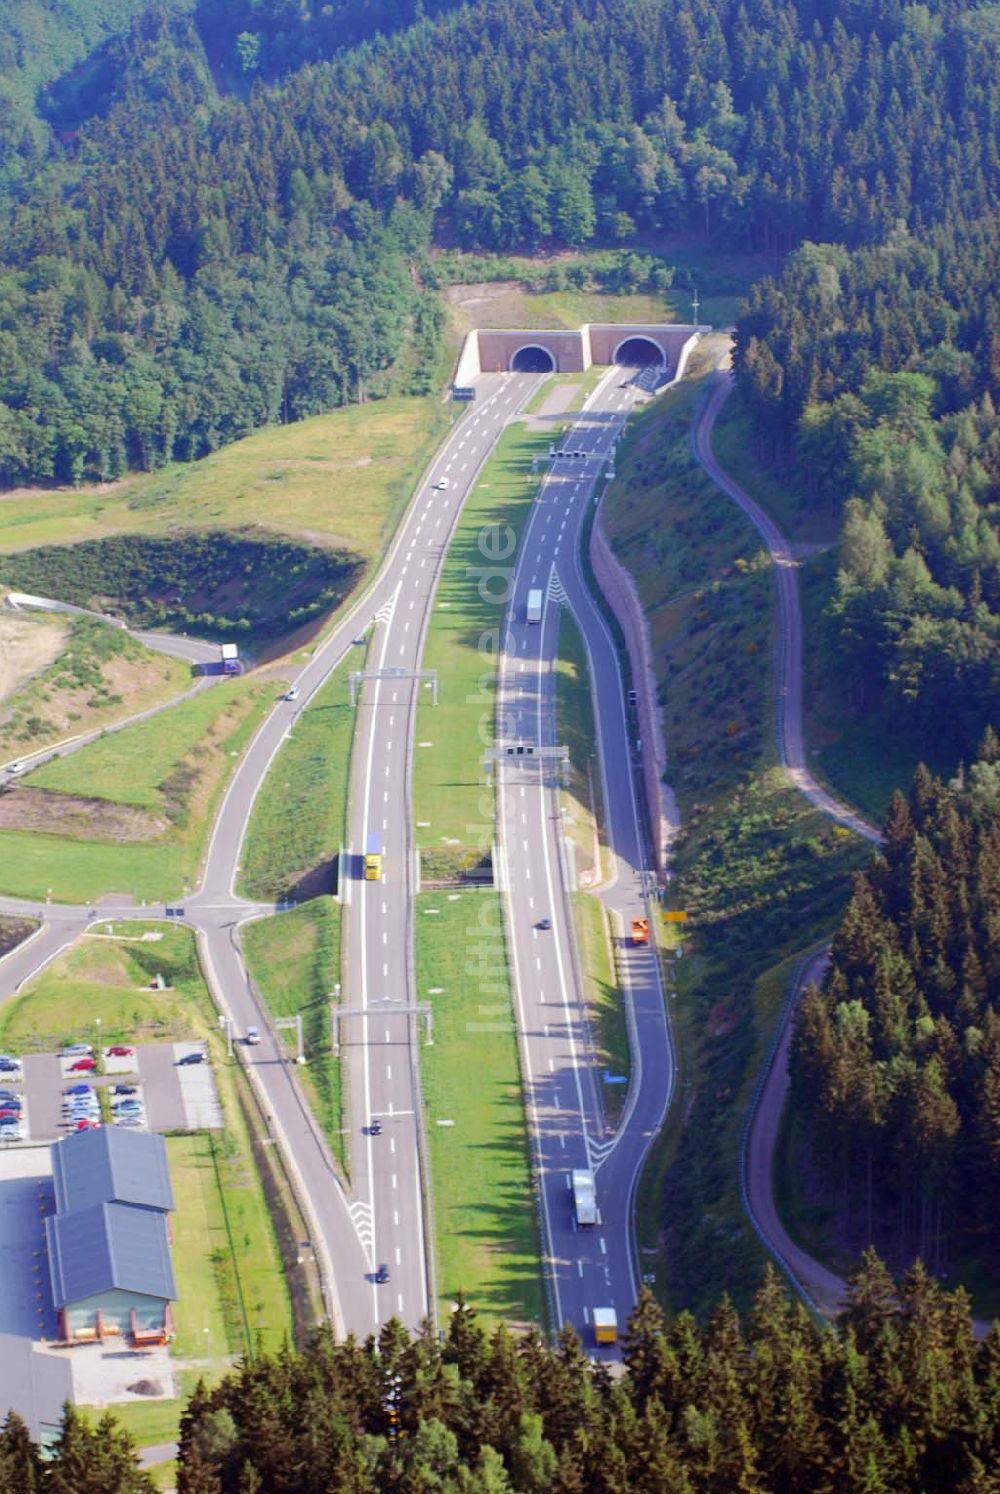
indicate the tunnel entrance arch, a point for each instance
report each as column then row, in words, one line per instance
column 532, row 358
column 639, row 352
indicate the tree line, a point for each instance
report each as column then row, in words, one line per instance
column 186, row 266
column 898, row 1396
column 895, row 1060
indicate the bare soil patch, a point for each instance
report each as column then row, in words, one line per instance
column 13, row 931
column 27, row 646
column 44, row 811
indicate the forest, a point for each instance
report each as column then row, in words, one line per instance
column 220, row 231
column 872, row 376
column 896, row 1058
column 899, row 1396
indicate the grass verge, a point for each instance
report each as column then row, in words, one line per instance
column 486, row 1229
column 297, row 823
column 294, row 960
column 760, row 874
column 166, row 777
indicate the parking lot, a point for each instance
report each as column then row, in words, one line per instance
column 164, row 1093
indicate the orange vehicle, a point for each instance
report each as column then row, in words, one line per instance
column 640, row 931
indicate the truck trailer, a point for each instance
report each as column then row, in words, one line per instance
column 373, row 857
column 533, row 612
column 584, row 1198
column 605, row 1325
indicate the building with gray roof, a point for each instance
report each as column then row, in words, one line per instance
column 109, row 1239
column 113, row 1165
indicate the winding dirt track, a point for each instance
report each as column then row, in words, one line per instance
column 822, row 1288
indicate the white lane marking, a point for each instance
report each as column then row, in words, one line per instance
column 399, row 1255
column 395, row 1181
column 385, row 932
column 387, row 1034
column 392, row 1145
column 399, row 1301
column 604, row 1245
column 579, row 1267
column 395, row 1217
column 388, row 1071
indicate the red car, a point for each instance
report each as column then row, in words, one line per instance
column 10, row 1115
column 88, row 1125
column 82, row 1065
column 120, row 1052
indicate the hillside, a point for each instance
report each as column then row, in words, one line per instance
column 188, row 267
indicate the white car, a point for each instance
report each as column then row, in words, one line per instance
column 17, row 767
column 253, row 1037
column 441, row 484
column 293, row 693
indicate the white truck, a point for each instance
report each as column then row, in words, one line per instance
column 533, row 612
column 584, row 1198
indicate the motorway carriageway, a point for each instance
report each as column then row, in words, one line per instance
column 593, row 1267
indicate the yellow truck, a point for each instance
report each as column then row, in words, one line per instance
column 605, row 1325
column 640, row 931
column 373, row 858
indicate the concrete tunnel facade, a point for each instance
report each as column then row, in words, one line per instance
column 508, row 349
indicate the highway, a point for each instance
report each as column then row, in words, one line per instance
column 351, row 1235
column 586, row 1268
column 381, row 1219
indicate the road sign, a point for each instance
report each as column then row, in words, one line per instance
column 463, row 391
column 674, row 917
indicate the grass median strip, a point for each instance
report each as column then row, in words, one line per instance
column 130, row 812
column 452, row 805
column 485, row 1223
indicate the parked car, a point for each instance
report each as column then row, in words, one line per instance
column 9, row 1096
column 10, row 1115
column 119, row 1051
column 83, row 1065
column 11, row 1133
column 192, row 1058
column 10, row 1120
column 126, row 1105
column 88, row 1125
column 80, row 1089
column 73, row 1048
column 124, row 1089
column 9, row 1064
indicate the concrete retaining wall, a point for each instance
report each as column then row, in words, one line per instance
column 623, row 599
column 492, row 349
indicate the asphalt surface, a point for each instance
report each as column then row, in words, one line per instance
column 351, row 1235
column 594, row 1267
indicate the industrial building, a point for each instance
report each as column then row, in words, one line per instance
column 109, row 1239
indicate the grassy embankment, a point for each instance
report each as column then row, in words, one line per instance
column 340, row 478
column 98, row 676
column 232, row 1291
column 296, row 829
column 572, row 288
column 862, row 757
column 582, row 801
column 486, row 1233
column 761, row 874
column 130, row 812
